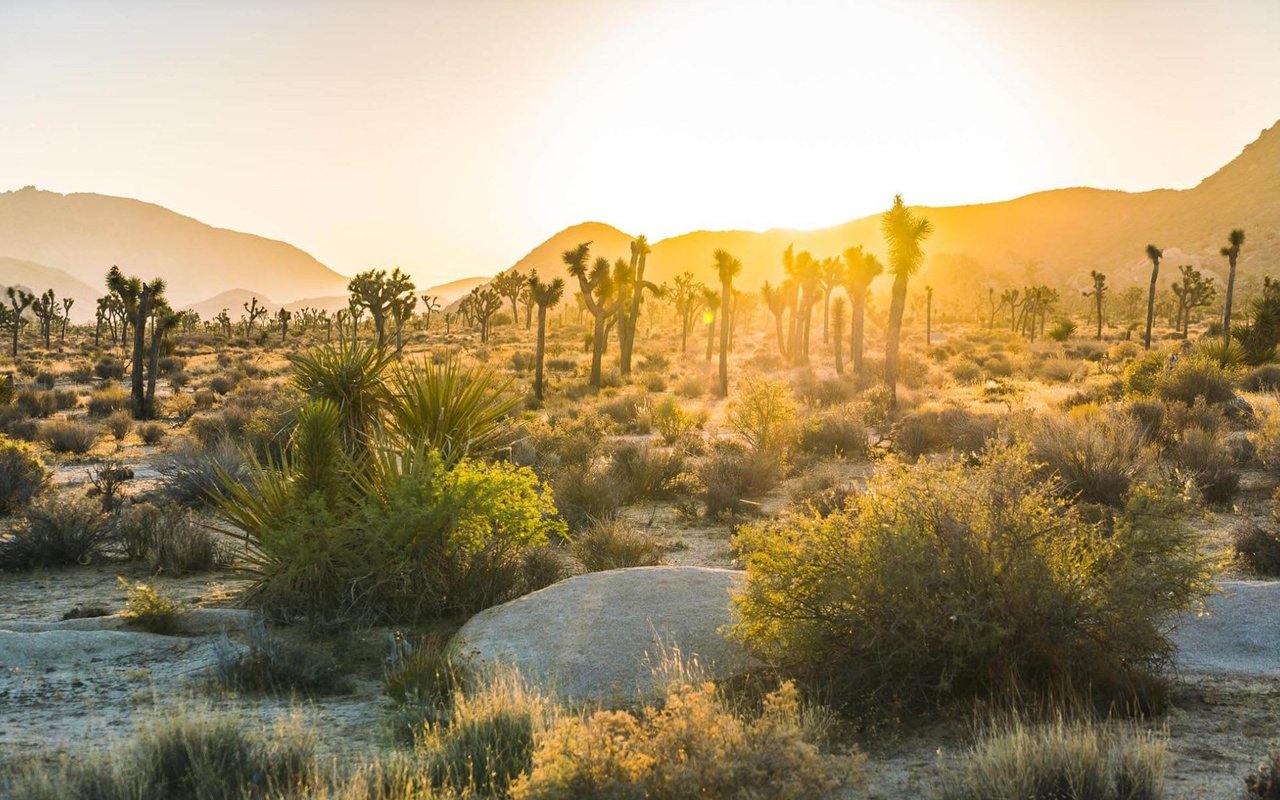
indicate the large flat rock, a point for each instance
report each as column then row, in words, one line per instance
column 598, row 637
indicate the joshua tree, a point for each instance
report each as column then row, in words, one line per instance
column 903, row 232
column 727, row 268
column 140, row 298
column 776, row 299
column 1193, row 291
column 805, row 272
column 686, row 294
column 1232, row 254
column 830, row 275
column 163, row 321
column 928, row 316
column 481, row 305
column 282, row 318
column 224, row 322
column 402, row 306
column 597, row 289
column 545, row 295
column 430, row 305
column 860, row 268
column 67, row 303
column 1155, row 254
column 252, row 313
column 629, row 309
column 378, row 292
column 509, row 284
column 1098, row 292
column 837, row 321
column 46, row 310
column 19, row 300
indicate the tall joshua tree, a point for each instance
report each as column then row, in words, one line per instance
column 629, row 311
column 860, row 268
column 545, row 295
column 837, row 322
column 19, row 300
column 1154, row 254
column 596, row 286
column 140, row 298
column 1098, row 293
column 1232, row 254
column 904, row 232
column 727, row 268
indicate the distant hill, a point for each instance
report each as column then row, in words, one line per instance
column 37, row 278
column 233, row 301
column 84, row 234
column 453, row 290
column 1055, row 237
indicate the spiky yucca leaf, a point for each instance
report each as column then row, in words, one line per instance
column 455, row 410
column 351, row 376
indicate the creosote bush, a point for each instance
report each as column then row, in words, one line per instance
column 69, row 436
column 1097, row 456
column 943, row 580
column 22, row 475
column 614, row 544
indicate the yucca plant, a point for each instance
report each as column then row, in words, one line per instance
column 350, row 375
column 457, row 411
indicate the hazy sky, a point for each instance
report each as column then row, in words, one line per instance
column 449, row 138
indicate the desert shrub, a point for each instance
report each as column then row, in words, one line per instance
column 421, row 672
column 653, row 382
column 181, row 407
column 178, row 380
column 57, row 532
column 36, row 402
column 1196, row 376
column 1141, row 376
column 1060, row 370
column 1202, row 455
column 108, row 400
column 1149, row 416
column 107, row 480
column 673, row 422
column 119, row 424
column 45, row 379
column 488, row 739
column 170, row 364
column 184, row 753
column 1097, row 457
column 585, row 493
column 731, row 473
column 1082, row 761
column 1265, row 378
column 66, row 399
column 1257, row 547
column 695, row 745
column 936, row 430
column 22, row 475
column 614, row 544
column 151, row 433
column 965, row 370
column 822, row 392
column 643, row 472
column 837, row 432
column 1061, row 330
column 822, row 491
column 69, row 436
column 762, row 414
column 943, row 580
column 221, row 384
column 148, row 608
column 194, row 475
column 691, row 386
column 567, row 440
column 205, row 399
column 109, row 368
column 182, row 545
column 460, row 412
column 271, row 664
column 428, row 540
column 913, row 371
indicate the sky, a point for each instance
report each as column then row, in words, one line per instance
column 450, row 138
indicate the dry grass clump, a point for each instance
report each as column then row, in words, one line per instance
column 57, row 531
column 36, row 402
column 107, row 401
column 932, row 430
column 1076, row 760
column 614, row 544
column 1097, row 456
column 271, row 664
column 189, row 752
column 837, row 432
column 69, row 436
column 151, row 433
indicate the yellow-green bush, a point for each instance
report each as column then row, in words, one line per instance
column 945, row 580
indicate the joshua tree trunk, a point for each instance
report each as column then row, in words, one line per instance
column 541, row 351
column 724, row 340
column 711, row 337
column 897, row 305
column 1151, row 305
column 1226, row 312
column 837, row 319
column 139, row 353
column 859, row 313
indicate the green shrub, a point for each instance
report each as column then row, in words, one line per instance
column 22, row 475
column 109, row 368
column 421, row 672
column 1080, row 761
column 1061, row 330
column 943, row 580
column 731, row 473
column 1203, row 457
column 150, row 609
column 1257, row 547
column 194, row 475
column 1196, row 376
column 1142, row 375
column 695, row 745
column 458, row 411
column 763, row 415
column 614, row 544
column 938, row 430
column 673, row 423
column 643, row 472
column 151, row 433
column 586, row 493
column 184, row 753
column 1265, row 378
column 119, row 423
